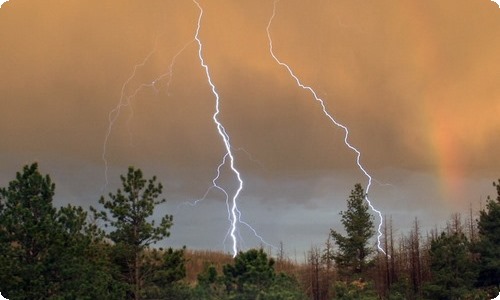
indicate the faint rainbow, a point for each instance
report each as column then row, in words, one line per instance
column 437, row 127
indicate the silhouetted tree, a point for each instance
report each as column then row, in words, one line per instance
column 489, row 243
column 253, row 277
column 353, row 249
column 28, row 231
column 48, row 253
column 315, row 272
column 163, row 271
column 251, row 272
column 452, row 269
column 415, row 262
column 385, row 262
column 210, row 285
column 329, row 272
column 132, row 233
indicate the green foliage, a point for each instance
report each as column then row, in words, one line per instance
column 452, row 268
column 163, row 272
column 354, row 290
column 353, row 249
column 251, row 271
column 28, row 227
column 208, row 276
column 130, row 209
column 284, row 287
column 47, row 253
column 399, row 290
column 210, row 285
column 172, row 269
column 489, row 243
column 252, row 276
column 128, row 212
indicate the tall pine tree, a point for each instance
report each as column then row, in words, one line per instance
column 353, row 248
column 128, row 212
column 28, row 231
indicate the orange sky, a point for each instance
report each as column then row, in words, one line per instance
column 416, row 82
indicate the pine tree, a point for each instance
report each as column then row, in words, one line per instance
column 132, row 233
column 489, row 243
column 252, row 276
column 162, row 272
column 48, row 253
column 252, row 271
column 452, row 268
column 353, row 248
column 28, row 226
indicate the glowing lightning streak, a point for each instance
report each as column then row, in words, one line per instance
column 234, row 212
column 325, row 111
column 113, row 114
column 125, row 100
column 169, row 73
column 228, row 205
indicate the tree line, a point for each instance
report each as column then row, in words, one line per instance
column 67, row 253
column 462, row 261
column 109, row 253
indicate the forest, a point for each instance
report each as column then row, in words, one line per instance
column 109, row 252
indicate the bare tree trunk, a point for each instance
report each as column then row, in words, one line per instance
column 280, row 259
column 416, row 272
column 472, row 226
column 137, row 261
column 387, row 285
column 137, row 286
column 403, row 264
column 328, row 262
column 314, row 272
column 393, row 274
column 455, row 224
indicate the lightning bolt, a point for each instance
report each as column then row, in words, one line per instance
column 234, row 214
column 125, row 100
column 115, row 112
column 233, row 208
column 216, row 186
column 332, row 120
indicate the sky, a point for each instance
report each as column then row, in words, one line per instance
column 416, row 83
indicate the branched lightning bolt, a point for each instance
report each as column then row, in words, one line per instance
column 125, row 100
column 215, row 185
column 234, row 214
column 330, row 117
column 115, row 113
column 233, row 210
column 152, row 84
column 169, row 73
